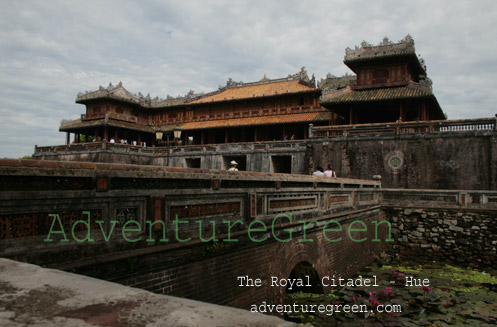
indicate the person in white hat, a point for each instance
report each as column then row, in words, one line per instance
column 233, row 164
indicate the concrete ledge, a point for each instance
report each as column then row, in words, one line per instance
column 31, row 295
column 21, row 167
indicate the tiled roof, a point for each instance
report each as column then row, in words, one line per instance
column 336, row 83
column 380, row 51
column 118, row 92
column 402, row 92
column 254, row 91
column 261, row 120
column 79, row 124
column 384, row 49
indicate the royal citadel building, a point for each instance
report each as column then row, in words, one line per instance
column 285, row 125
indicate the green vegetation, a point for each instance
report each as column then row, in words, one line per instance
column 455, row 296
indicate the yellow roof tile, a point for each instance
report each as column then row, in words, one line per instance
column 261, row 120
column 253, row 91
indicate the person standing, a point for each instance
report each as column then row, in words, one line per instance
column 330, row 172
column 318, row 172
column 233, row 164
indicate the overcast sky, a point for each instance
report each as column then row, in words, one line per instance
column 51, row 50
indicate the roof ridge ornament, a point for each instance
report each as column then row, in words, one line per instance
column 386, row 41
column 119, row 92
column 406, row 45
column 333, row 83
column 231, row 83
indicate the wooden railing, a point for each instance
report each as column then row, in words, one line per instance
column 96, row 146
column 403, row 128
column 164, row 148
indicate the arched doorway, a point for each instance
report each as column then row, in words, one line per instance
column 311, row 283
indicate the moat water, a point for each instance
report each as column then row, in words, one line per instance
column 441, row 295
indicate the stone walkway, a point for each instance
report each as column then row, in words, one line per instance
column 35, row 296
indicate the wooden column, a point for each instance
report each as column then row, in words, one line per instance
column 76, row 137
column 424, row 115
column 332, row 118
column 139, row 141
column 427, row 113
column 202, row 138
column 68, row 138
column 351, row 115
column 401, row 112
column 255, row 134
column 115, row 136
column 106, row 134
column 95, row 135
column 226, row 139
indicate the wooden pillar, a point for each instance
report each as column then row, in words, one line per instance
column 351, row 115
column 76, row 137
column 139, row 141
column 401, row 112
column 115, row 136
column 255, row 134
column 202, row 138
column 226, row 139
column 68, row 138
column 106, row 134
column 424, row 114
column 332, row 118
column 427, row 113
column 95, row 135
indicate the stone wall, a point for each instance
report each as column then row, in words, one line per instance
column 452, row 226
column 459, row 160
column 271, row 157
column 115, row 194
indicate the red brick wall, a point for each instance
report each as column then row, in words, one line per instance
column 215, row 279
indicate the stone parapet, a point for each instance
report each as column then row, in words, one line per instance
column 446, row 225
column 451, row 127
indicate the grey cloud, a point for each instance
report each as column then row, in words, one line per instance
column 51, row 50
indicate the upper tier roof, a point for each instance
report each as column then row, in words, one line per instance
column 255, row 91
column 296, row 83
column 118, row 92
column 385, row 50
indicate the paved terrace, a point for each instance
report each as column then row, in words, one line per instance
column 35, row 296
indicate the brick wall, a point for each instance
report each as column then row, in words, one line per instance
column 214, row 278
